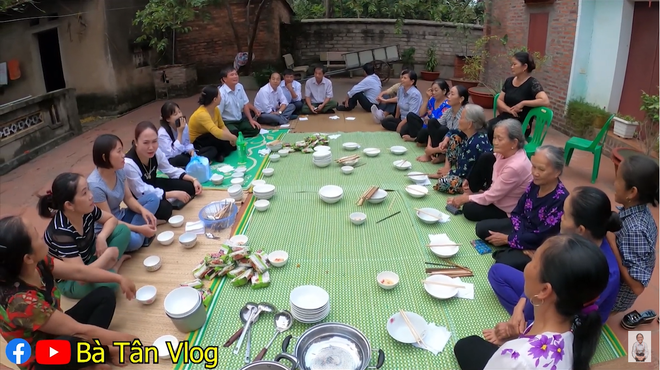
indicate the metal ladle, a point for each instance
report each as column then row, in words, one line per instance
column 283, row 322
column 263, row 307
column 245, row 316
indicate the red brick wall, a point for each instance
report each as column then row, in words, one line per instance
column 211, row 44
column 511, row 17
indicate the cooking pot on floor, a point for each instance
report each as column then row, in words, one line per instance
column 333, row 346
column 273, row 365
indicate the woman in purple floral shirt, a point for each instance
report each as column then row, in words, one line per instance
column 567, row 327
column 537, row 215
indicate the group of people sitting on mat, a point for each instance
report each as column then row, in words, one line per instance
column 557, row 302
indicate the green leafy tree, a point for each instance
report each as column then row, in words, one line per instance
column 15, row 5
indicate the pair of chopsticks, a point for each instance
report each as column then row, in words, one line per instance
column 443, row 284
column 418, row 339
column 367, row 194
column 428, row 214
column 348, row 158
column 392, row 215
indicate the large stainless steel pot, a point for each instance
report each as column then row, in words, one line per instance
column 273, row 365
column 333, row 346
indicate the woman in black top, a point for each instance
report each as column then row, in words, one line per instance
column 519, row 94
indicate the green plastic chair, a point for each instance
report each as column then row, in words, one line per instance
column 542, row 121
column 594, row 146
column 495, row 104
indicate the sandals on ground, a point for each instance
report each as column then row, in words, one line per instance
column 633, row 319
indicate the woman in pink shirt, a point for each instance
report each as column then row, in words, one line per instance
column 512, row 173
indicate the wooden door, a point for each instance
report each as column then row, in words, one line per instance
column 642, row 67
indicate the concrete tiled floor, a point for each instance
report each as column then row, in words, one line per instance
column 19, row 188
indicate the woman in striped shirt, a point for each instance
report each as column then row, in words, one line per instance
column 70, row 234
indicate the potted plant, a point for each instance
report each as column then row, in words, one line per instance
column 408, row 59
column 625, row 126
column 581, row 117
column 484, row 96
column 474, row 65
column 429, row 74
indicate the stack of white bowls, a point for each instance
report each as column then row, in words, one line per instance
column 322, row 158
column 309, row 304
column 265, row 191
column 236, row 192
column 331, row 193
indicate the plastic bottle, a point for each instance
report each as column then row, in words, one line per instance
column 241, row 147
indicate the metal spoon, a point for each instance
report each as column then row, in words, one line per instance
column 263, row 307
column 283, row 322
column 244, row 315
column 254, row 312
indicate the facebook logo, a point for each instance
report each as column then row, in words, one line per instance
column 18, row 351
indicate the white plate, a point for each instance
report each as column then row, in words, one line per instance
column 309, row 297
column 161, row 344
column 440, row 291
column 399, row 330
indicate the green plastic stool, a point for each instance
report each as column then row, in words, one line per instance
column 594, row 146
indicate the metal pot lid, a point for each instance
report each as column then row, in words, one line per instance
column 265, row 365
column 333, row 352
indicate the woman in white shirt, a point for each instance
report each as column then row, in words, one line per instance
column 143, row 162
column 174, row 139
column 639, row 349
column 567, row 325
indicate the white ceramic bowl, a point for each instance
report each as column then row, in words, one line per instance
column 350, row 146
column 417, row 191
column 278, row 258
column 358, row 218
column 429, row 215
column 181, row 301
column 398, row 150
column 238, row 175
column 152, row 263
column 237, row 181
column 217, row 179
column 176, row 221
column 322, row 148
column 399, row 330
column 331, row 193
column 241, row 169
column 264, row 191
column 166, row 237
column 239, row 239
column 188, row 240
column 322, row 155
column 402, row 165
column 258, row 182
column 387, row 280
column 322, row 164
column 235, row 190
column 352, row 162
column 262, row 205
column 417, row 177
column 274, row 157
column 347, row 170
column 146, row 294
column 283, row 152
column 445, row 252
column 441, row 291
column 371, row 152
column 161, row 344
column 378, row 197
column 309, row 297
column 274, row 147
column 268, row 172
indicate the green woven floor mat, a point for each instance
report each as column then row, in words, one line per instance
column 325, row 249
column 255, row 161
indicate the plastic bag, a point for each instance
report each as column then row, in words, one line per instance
column 200, row 168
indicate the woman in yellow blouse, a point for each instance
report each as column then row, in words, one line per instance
column 206, row 128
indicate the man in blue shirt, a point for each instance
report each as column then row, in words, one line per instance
column 364, row 92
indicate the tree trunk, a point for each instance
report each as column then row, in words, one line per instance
column 264, row 4
column 233, row 26
column 328, row 8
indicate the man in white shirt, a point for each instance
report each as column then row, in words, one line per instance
column 318, row 94
column 292, row 90
column 235, row 108
column 365, row 92
column 274, row 109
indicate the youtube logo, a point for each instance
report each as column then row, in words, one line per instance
column 53, row 352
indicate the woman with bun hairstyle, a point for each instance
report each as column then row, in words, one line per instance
column 567, row 325
column 588, row 213
column 30, row 299
column 142, row 163
column 520, row 93
column 70, row 235
column 207, row 128
column 635, row 187
column 174, row 139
